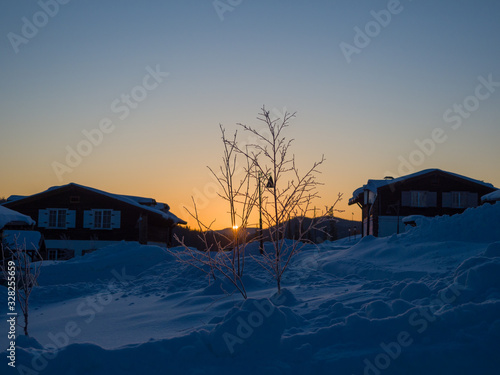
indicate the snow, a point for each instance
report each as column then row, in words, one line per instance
column 7, row 216
column 22, row 239
column 491, row 197
column 426, row 301
column 140, row 200
column 14, row 198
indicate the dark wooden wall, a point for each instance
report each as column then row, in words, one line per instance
column 158, row 229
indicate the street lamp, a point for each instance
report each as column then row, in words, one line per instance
column 270, row 184
column 352, row 224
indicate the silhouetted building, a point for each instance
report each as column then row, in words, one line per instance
column 76, row 219
column 431, row 192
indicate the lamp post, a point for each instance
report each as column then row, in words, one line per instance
column 261, row 247
column 352, row 221
column 269, row 184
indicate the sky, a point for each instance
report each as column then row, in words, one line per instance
column 127, row 96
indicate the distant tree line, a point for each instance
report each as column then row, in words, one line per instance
column 328, row 229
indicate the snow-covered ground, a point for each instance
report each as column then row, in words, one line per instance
column 423, row 302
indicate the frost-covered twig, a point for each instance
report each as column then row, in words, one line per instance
column 26, row 273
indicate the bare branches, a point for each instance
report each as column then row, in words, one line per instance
column 218, row 260
column 267, row 164
column 212, row 263
column 291, row 192
column 26, row 273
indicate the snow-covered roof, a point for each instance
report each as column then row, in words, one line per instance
column 22, row 239
column 374, row 185
column 141, row 200
column 135, row 201
column 14, row 198
column 491, row 197
column 132, row 200
column 8, row 216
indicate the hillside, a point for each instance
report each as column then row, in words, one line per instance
column 343, row 228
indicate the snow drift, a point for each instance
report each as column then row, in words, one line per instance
column 422, row 302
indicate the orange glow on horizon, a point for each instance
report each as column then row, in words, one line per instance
column 187, row 189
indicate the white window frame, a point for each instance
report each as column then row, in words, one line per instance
column 99, row 216
column 60, row 218
column 101, row 219
column 459, row 199
column 418, row 198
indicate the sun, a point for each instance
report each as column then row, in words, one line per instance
column 235, row 227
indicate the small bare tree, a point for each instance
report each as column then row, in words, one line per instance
column 292, row 193
column 27, row 271
column 225, row 255
column 236, row 184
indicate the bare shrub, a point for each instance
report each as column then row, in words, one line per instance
column 27, row 265
column 292, row 193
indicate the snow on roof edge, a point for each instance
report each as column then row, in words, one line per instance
column 494, row 196
column 141, row 200
column 7, row 216
column 123, row 198
column 14, row 198
column 374, row 185
column 132, row 200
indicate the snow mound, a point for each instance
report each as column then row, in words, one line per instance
column 461, row 227
column 414, row 291
column 480, row 279
column 105, row 263
column 493, row 250
column 252, row 330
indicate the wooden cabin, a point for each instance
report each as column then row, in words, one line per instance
column 432, row 192
column 76, row 219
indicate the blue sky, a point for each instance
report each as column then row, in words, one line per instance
column 364, row 115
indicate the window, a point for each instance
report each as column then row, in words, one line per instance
column 418, row 198
column 74, row 199
column 52, row 254
column 459, row 199
column 57, row 218
column 102, row 219
column 434, row 182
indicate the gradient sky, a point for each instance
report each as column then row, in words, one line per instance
column 364, row 115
